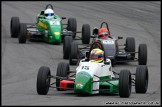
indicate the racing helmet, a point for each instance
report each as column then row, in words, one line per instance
column 103, row 33
column 49, row 13
column 96, row 55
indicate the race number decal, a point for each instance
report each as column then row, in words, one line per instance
column 85, row 67
column 54, row 23
column 108, row 42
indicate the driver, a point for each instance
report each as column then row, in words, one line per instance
column 96, row 55
column 49, row 13
column 103, row 33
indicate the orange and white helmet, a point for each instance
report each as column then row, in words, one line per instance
column 103, row 33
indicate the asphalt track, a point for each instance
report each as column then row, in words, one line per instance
column 20, row 62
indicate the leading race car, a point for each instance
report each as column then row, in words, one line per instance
column 93, row 77
column 48, row 27
column 117, row 53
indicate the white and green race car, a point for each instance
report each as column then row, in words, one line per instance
column 93, row 78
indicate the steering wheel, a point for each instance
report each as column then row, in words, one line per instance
column 106, row 26
column 49, row 5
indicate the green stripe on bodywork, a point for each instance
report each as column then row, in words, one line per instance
column 83, row 83
column 113, row 86
column 104, row 78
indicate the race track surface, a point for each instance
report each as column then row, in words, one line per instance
column 20, row 62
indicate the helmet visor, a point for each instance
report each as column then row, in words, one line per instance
column 49, row 14
column 103, row 34
column 96, row 57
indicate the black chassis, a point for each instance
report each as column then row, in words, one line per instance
column 114, row 51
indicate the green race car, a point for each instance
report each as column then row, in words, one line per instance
column 50, row 30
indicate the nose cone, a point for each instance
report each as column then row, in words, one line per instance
column 83, row 83
column 55, row 34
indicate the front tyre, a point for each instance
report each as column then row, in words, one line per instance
column 23, row 33
column 66, row 46
column 86, row 33
column 14, row 27
column 130, row 46
column 141, row 79
column 62, row 71
column 43, row 80
column 73, row 54
column 142, row 54
column 72, row 26
column 124, row 83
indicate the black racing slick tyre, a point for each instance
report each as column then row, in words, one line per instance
column 15, row 27
column 66, row 46
column 124, row 83
column 74, row 55
column 141, row 79
column 130, row 46
column 62, row 71
column 72, row 26
column 43, row 80
column 142, row 54
column 86, row 31
column 23, row 33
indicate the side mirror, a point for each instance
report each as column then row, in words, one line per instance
column 40, row 17
column 106, row 62
column 63, row 17
column 95, row 31
column 119, row 37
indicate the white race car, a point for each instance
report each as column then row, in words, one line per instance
column 93, row 78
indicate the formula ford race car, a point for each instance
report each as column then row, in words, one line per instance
column 93, row 78
column 114, row 51
column 49, row 30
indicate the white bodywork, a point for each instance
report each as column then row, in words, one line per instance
column 95, row 69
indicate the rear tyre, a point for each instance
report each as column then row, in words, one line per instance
column 43, row 80
column 23, row 33
column 124, row 83
column 62, row 71
column 14, row 27
column 86, row 33
column 66, row 46
column 142, row 55
column 130, row 46
column 72, row 26
column 73, row 54
column 141, row 81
